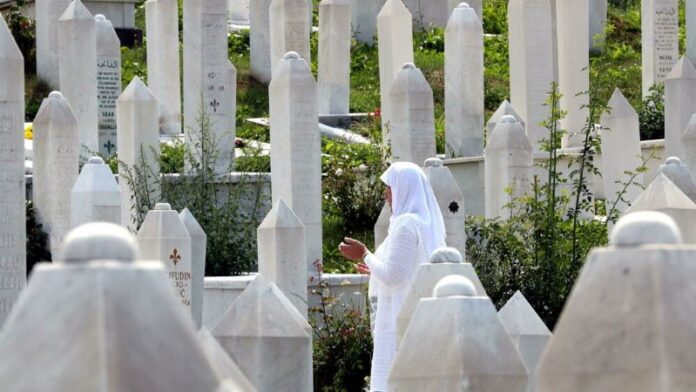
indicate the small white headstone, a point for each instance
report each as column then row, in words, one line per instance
column 198, row 252
column 451, row 202
column 679, row 174
column 96, row 196
column 504, row 109
column 660, row 40
column 108, row 83
column 334, row 57
column 680, row 105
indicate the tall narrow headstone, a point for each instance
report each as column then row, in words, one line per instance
column 504, row 109
column 12, row 188
column 280, row 259
column 223, row 364
column 508, row 167
column 138, row 140
column 464, row 84
column 96, row 196
column 572, row 23
column 268, row 338
column 531, row 63
column 412, row 116
column 47, row 46
column 691, row 30
column 395, row 42
column 450, row 200
column 289, row 29
column 296, row 148
column 334, row 56
column 364, row 19
column 680, row 104
column 660, row 40
column 163, row 62
column 689, row 144
column 621, row 147
column 260, row 40
column 56, row 166
column 199, row 242
column 108, row 83
column 164, row 237
column 78, row 72
column 239, row 11
column 598, row 24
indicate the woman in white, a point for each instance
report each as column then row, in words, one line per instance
column 416, row 229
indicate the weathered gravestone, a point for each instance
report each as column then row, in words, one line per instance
column 680, row 105
column 469, row 349
column 260, row 40
column 108, row 83
column 96, row 196
column 450, row 200
column 289, row 30
column 222, row 363
column 679, row 174
column 334, row 56
column 630, row 317
column 660, row 40
column 198, row 252
column 504, row 109
column 47, row 51
column 364, row 19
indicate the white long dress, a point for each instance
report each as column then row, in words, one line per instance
column 393, row 267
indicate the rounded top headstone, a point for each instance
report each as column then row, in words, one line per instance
column 55, row 95
column 291, row 56
column 463, row 5
column 446, row 255
column 163, row 207
column 100, row 18
column 673, row 161
column 408, row 66
column 95, row 161
column 643, row 228
column 508, row 119
column 433, row 162
column 454, row 286
column 99, row 241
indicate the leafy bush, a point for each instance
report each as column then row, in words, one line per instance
column 652, row 114
column 37, row 239
column 23, row 30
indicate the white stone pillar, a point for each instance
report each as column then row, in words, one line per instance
column 464, row 84
column 598, row 24
column 451, row 202
column 56, row 166
column 12, row 187
column 289, row 30
column 296, row 148
column 138, row 140
column 660, row 40
column 78, row 72
column 163, row 62
column 413, row 117
column 239, row 11
column 364, row 19
column 199, row 241
column 691, row 30
column 334, row 57
column 280, row 259
column 47, row 47
column 508, row 165
column 678, row 173
column 680, row 104
column 164, row 237
column 96, row 196
column 260, row 40
column 573, row 67
column 108, row 83
column 395, row 43
column 531, row 63
column 504, row 109
column 621, row 147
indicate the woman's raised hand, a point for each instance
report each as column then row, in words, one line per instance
column 352, row 249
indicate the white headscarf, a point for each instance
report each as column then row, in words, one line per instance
column 412, row 195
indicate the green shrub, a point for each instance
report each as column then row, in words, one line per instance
column 23, row 31
column 652, row 114
column 37, row 239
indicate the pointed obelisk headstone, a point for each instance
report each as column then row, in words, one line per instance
column 56, row 166
column 504, row 109
column 268, row 338
column 78, row 72
column 222, row 363
column 260, row 40
column 660, row 40
column 198, row 252
column 163, row 63
column 47, row 46
column 450, row 200
column 334, row 57
column 680, row 104
column 296, row 149
column 108, row 83
column 679, row 174
column 12, row 187
column 289, row 29
column 364, row 19
column 96, row 196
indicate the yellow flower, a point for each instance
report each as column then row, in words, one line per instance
column 28, row 131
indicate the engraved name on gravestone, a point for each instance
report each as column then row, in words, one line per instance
column 108, row 83
column 660, row 28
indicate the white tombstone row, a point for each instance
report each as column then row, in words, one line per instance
column 296, row 149
column 47, row 45
column 289, row 30
column 411, row 105
column 680, row 105
column 364, row 19
column 78, row 72
column 163, row 73
column 678, row 173
column 635, row 290
column 199, row 242
column 504, row 109
column 660, row 40
column 56, row 166
column 450, row 200
column 464, row 84
column 12, row 187
column 96, row 196
column 108, row 83
column 260, row 40
column 334, row 57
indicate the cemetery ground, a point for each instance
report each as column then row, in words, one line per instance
column 538, row 251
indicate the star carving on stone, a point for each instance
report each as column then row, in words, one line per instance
column 175, row 257
column 453, row 207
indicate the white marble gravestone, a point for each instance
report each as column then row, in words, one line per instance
column 395, row 43
column 56, row 166
column 504, row 109
column 381, row 228
column 443, row 262
column 260, row 40
column 238, row 12
column 163, row 63
column 96, row 196
column 280, row 259
column 138, row 140
column 78, row 72
column 268, row 338
column 690, row 11
column 508, row 166
column 468, row 350
column 637, row 289
column 114, row 324
column 296, row 149
column 289, row 30
column 660, row 40
column 199, row 241
column 334, row 57
column 412, row 133
column 450, row 200
column 436, row 13
column 620, row 134
column 528, row 332
column 108, row 83
column 679, row 174
column 680, row 105
column 531, row 63
column 164, row 237
column 689, row 145
column 12, row 188
column 47, row 46
column 464, row 84
column 364, row 19
column 598, row 24
column 224, row 366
